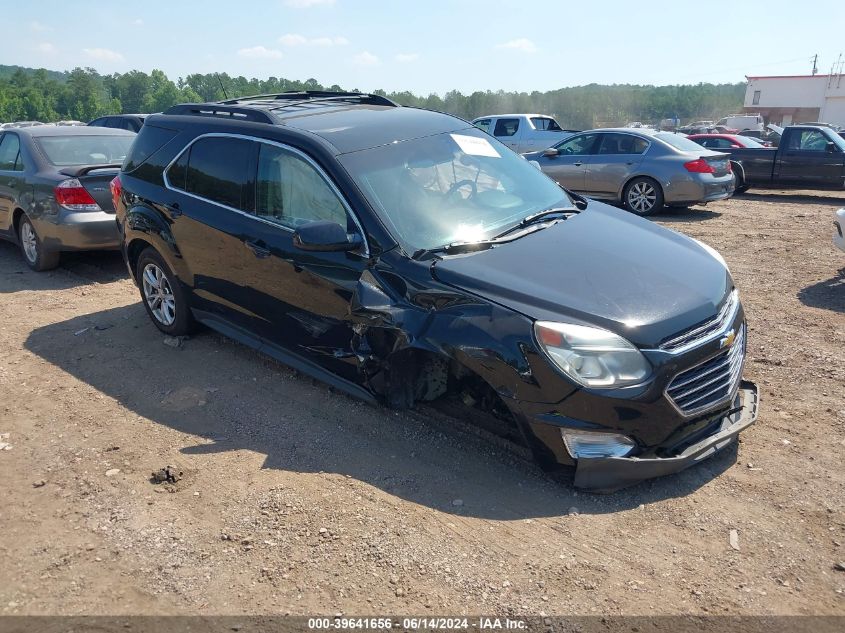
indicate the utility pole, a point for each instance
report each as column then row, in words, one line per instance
column 815, row 60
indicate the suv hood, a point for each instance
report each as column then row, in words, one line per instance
column 602, row 267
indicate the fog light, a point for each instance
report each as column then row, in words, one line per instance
column 585, row 444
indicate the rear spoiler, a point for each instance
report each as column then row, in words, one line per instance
column 76, row 172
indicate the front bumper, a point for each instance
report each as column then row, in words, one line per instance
column 78, row 231
column 607, row 474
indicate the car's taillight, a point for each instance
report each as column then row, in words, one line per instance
column 116, row 189
column 72, row 195
column 699, row 166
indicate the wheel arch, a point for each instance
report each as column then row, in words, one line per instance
column 632, row 178
column 143, row 227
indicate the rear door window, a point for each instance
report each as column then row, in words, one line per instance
column 218, row 169
column 622, row 144
column 506, row 127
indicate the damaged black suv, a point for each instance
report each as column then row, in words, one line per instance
column 403, row 256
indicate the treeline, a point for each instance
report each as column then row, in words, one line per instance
column 83, row 94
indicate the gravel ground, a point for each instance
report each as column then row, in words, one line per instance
column 295, row 499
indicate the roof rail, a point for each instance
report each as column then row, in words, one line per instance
column 221, row 110
column 313, row 95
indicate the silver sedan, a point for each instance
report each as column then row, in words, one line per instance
column 641, row 169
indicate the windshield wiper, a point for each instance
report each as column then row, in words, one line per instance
column 536, row 217
column 455, row 247
column 468, row 247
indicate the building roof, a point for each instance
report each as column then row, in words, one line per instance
column 817, row 76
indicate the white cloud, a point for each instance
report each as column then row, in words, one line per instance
column 365, row 59
column 404, row 58
column 103, row 54
column 138, row 22
column 260, row 52
column 295, row 39
column 520, row 44
column 35, row 25
column 45, row 47
column 307, row 4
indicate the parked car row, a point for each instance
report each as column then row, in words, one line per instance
column 641, row 169
column 404, row 255
column 54, row 189
column 131, row 122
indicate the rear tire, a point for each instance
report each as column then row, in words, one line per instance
column 740, row 186
column 32, row 249
column 643, row 196
column 163, row 297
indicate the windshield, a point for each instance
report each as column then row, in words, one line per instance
column 62, row 151
column 679, row 142
column 452, row 187
column 838, row 141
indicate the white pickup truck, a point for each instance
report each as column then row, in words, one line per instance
column 523, row 132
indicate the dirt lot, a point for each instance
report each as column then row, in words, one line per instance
column 298, row 500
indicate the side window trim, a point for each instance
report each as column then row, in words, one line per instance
column 320, row 171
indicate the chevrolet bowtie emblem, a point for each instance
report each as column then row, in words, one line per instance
column 727, row 340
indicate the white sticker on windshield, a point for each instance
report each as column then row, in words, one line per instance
column 475, row 146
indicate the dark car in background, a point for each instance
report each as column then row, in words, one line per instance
column 808, row 156
column 131, row 122
column 54, row 189
column 725, row 141
column 640, row 168
column 403, row 256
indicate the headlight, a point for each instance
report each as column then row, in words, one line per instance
column 591, row 356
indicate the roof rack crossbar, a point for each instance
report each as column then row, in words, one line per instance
column 221, row 110
column 313, row 95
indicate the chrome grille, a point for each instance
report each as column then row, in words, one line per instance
column 704, row 331
column 711, row 383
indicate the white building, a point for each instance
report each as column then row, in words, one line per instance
column 784, row 100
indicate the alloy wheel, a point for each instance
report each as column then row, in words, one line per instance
column 642, row 197
column 29, row 242
column 158, row 294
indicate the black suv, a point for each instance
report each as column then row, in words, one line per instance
column 403, row 255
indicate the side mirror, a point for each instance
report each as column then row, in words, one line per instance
column 324, row 236
column 550, row 152
column 831, row 147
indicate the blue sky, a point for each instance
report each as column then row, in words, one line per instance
column 432, row 45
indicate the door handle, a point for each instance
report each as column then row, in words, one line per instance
column 174, row 210
column 258, row 249
column 577, row 164
column 11, row 183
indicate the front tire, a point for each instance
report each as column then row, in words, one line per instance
column 33, row 250
column 164, row 299
column 643, row 196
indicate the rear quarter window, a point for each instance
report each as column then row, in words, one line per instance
column 149, row 140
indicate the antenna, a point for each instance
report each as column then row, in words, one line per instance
column 224, row 89
column 815, row 63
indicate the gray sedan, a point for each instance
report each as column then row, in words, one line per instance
column 54, row 189
column 641, row 169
